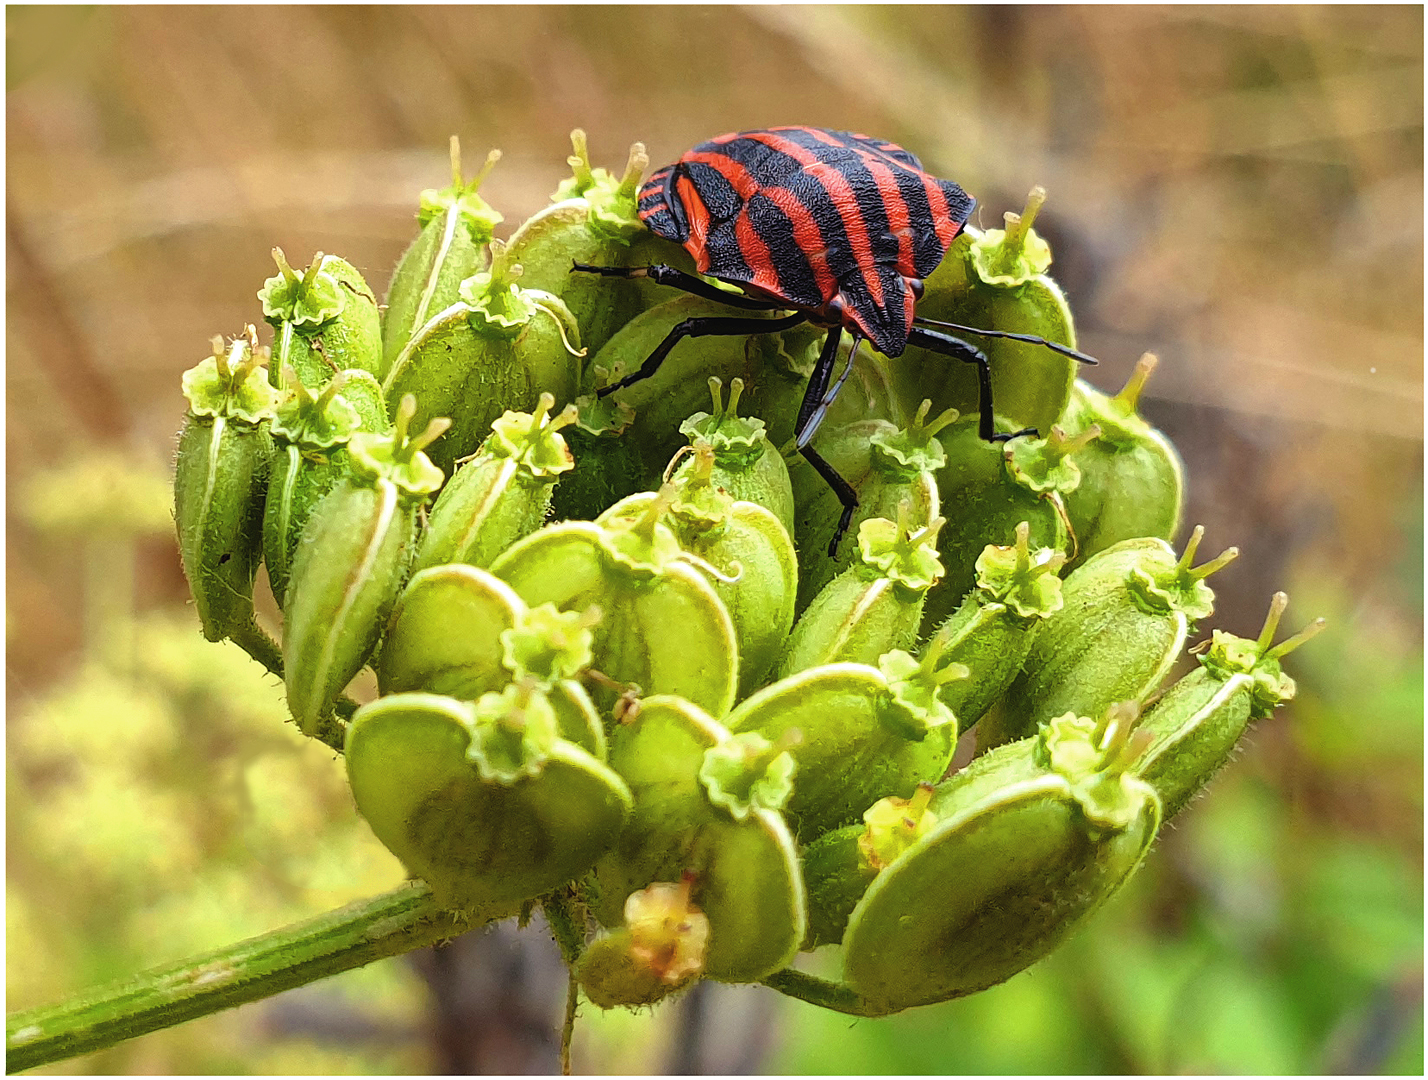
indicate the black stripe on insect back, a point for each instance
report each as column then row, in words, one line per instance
column 797, row 282
column 863, row 142
column 927, row 250
column 815, row 198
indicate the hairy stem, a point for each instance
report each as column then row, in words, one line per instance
column 404, row 919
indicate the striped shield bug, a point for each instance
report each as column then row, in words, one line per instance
column 836, row 228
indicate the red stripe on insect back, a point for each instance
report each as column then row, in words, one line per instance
column 836, row 184
column 942, row 222
column 698, row 215
column 899, row 222
column 805, row 229
column 756, row 255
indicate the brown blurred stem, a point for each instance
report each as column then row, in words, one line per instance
column 397, row 922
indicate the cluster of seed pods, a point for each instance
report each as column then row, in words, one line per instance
column 617, row 668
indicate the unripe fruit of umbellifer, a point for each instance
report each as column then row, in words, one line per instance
column 503, row 493
column 1132, row 480
column 456, row 224
column 1123, row 621
column 996, row 280
column 351, row 564
column 1198, row 721
column 324, row 321
column 1028, row 840
column 220, row 478
column 875, row 605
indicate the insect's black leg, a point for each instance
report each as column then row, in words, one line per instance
column 703, row 326
column 958, row 349
column 844, row 490
column 810, row 425
column 1030, row 339
column 678, row 279
column 818, row 380
column 817, row 396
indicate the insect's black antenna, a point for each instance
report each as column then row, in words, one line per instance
column 1030, row 339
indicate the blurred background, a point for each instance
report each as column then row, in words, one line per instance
column 1237, row 189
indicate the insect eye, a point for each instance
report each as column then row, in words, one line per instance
column 915, row 286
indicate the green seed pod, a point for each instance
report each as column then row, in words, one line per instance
column 503, row 493
column 324, row 321
column 445, row 634
column 351, row 563
column 996, row 281
column 995, row 487
column 310, row 455
column 1027, row 842
column 839, row 866
column 873, row 607
column 659, row 950
column 707, row 803
column 664, row 628
column 497, row 348
column 607, row 466
column 1197, row 723
column 745, row 552
column 886, row 467
column 1123, row 621
column 1132, row 480
column 746, row 466
column 992, row 632
column 456, row 224
column 864, row 732
column 482, row 800
column 774, row 369
column 219, row 480
column 592, row 220
column 461, row 632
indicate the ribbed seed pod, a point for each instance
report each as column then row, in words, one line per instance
column 503, row 493
column 1199, row 720
column 484, row 800
column 664, row 628
column 994, row 489
column 351, row 564
column 773, row 366
column 1124, row 618
column 746, row 466
column 707, row 803
column 499, row 347
column 310, row 436
column 875, row 605
column 1132, row 480
column 220, row 478
column 996, row 280
column 324, row 321
column 456, row 225
column 592, row 221
column 886, row 467
column 863, row 732
column 1027, row 841
column 742, row 549
column 992, row 632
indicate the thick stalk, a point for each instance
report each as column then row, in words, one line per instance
column 396, row 922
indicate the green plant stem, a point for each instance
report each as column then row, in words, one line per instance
column 404, row 919
column 821, row 992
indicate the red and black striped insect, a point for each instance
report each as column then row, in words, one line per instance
column 840, row 229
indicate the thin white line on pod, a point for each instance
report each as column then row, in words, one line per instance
column 354, row 582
